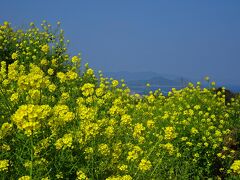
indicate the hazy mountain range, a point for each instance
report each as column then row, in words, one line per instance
column 137, row 81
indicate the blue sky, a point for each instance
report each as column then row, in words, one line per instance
column 181, row 37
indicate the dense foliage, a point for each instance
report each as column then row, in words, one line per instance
column 59, row 121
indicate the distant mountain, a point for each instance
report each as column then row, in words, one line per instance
column 158, row 81
column 129, row 76
column 137, row 81
column 145, row 75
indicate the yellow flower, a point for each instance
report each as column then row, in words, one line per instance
column 14, row 55
column 125, row 177
column 235, row 167
column 197, row 107
column 6, row 23
column 169, row 147
column 25, row 178
column 90, row 72
column 71, row 75
column 59, row 175
column 109, row 131
column 151, row 98
column 213, row 83
column 189, row 143
column 29, row 117
column 14, row 97
column 46, row 178
column 81, row 175
column 4, row 165
column 52, row 87
column 184, row 138
column 138, row 130
column 103, row 149
column 207, row 78
column 205, row 144
column 5, row 147
column 169, row 133
column 145, row 165
column 150, row 124
column 134, row 154
column 5, row 82
column 61, row 76
column 64, row 142
column 50, row 71
column 114, row 83
column 75, row 59
column 5, row 129
column 45, row 48
column 3, row 69
column 194, row 130
column 65, row 96
column 99, row 92
column 54, row 62
column 88, row 89
column 123, row 167
column 61, row 115
column 126, row 119
column 43, row 62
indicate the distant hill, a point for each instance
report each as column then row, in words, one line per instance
column 137, row 81
column 129, row 76
column 158, row 81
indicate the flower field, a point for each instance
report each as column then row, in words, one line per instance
column 59, row 120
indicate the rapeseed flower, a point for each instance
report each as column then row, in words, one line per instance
column 170, row 133
column 64, row 142
column 45, row 48
column 134, row 154
column 62, row 77
column 109, row 131
column 71, row 75
column 62, row 115
column 126, row 119
column 124, row 177
column 25, row 178
column 123, row 167
column 138, row 128
column 44, row 62
column 14, row 97
column 235, row 167
column 29, row 117
column 103, row 149
column 81, row 175
column 75, row 59
column 115, row 83
column 90, row 72
column 5, row 147
column 169, row 147
column 88, row 89
column 14, row 55
column 4, row 165
column 145, row 165
column 150, row 124
column 52, row 87
column 50, row 71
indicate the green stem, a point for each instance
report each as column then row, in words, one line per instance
column 6, row 100
column 31, row 169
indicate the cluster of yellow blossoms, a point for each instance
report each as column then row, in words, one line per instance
column 59, row 121
column 30, row 117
